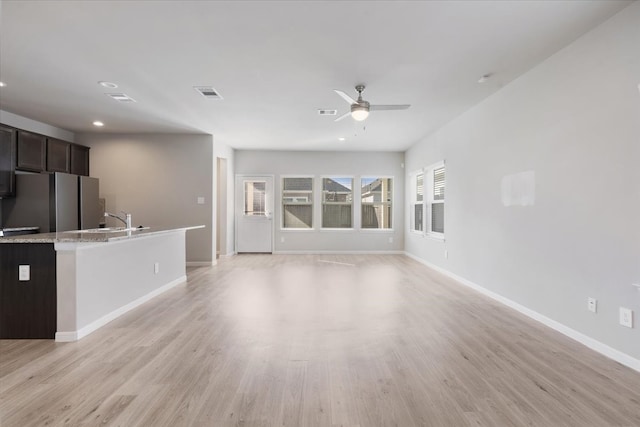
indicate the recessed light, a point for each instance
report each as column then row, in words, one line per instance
column 341, row 138
column 108, row 84
column 2, row 84
column 98, row 123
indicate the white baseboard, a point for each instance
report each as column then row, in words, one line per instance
column 338, row 252
column 66, row 336
column 200, row 263
column 91, row 327
column 586, row 340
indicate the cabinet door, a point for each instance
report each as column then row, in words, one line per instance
column 7, row 161
column 58, row 155
column 31, row 151
column 79, row 160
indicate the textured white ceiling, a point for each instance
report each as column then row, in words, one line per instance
column 275, row 64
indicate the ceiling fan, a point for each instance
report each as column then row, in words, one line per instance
column 360, row 108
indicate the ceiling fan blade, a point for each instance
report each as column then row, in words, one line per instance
column 345, row 115
column 389, row 107
column 346, row 97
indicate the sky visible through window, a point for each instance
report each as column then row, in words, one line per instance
column 343, row 181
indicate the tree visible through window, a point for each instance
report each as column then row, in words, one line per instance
column 337, row 202
column 376, row 202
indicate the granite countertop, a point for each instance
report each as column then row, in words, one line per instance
column 79, row 236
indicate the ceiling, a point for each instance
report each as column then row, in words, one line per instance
column 275, row 64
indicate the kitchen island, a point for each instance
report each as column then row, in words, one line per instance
column 78, row 281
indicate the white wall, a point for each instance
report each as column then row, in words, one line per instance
column 98, row 282
column 575, row 121
column 25, row 123
column 356, row 164
column 225, row 152
column 158, row 178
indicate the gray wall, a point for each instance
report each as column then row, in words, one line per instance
column 574, row 121
column 158, row 178
column 356, row 164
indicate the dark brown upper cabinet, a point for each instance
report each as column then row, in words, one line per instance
column 58, row 155
column 8, row 138
column 31, row 152
column 79, row 160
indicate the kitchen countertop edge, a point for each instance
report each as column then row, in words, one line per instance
column 75, row 237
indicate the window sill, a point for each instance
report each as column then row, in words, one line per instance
column 377, row 230
column 290, row 230
column 439, row 238
column 323, row 230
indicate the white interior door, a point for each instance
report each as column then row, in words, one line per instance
column 254, row 213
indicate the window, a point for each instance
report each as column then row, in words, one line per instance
column 417, row 203
column 337, row 202
column 254, row 198
column 297, row 203
column 376, row 202
column 435, row 199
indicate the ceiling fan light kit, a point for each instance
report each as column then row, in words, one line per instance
column 359, row 112
column 360, row 108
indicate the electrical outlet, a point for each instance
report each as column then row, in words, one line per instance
column 626, row 317
column 592, row 305
column 281, row 239
column 446, row 254
column 156, row 267
column 24, row 273
column 390, row 239
column 200, row 200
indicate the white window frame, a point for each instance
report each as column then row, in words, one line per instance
column 313, row 204
column 429, row 199
column 391, row 203
column 414, row 201
column 321, row 204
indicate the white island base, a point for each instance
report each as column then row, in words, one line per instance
column 100, row 281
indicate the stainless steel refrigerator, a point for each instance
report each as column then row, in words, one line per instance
column 53, row 202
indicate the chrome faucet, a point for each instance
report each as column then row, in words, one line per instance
column 126, row 220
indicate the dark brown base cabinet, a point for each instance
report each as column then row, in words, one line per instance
column 28, row 308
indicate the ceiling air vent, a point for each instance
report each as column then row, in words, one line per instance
column 208, row 92
column 327, row 112
column 122, row 97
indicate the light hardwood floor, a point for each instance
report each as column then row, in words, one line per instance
column 275, row 340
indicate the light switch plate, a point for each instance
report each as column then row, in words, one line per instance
column 24, row 273
column 592, row 305
column 201, row 200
